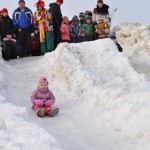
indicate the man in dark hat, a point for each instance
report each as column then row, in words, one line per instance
column 57, row 19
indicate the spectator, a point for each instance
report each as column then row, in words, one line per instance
column 43, row 25
column 7, row 34
column 75, row 29
column 65, row 30
column 102, row 29
column 82, row 37
column 101, row 10
column 88, row 26
column 81, row 18
column 57, row 19
column 23, row 22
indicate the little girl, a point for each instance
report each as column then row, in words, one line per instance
column 42, row 99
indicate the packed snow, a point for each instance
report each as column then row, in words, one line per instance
column 102, row 96
column 135, row 39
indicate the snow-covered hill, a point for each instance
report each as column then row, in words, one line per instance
column 135, row 39
column 102, row 99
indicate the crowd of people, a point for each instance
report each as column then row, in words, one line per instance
column 29, row 33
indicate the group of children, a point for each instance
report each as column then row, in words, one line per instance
column 81, row 28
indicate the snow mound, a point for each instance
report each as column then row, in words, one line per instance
column 16, row 132
column 114, row 92
column 135, row 39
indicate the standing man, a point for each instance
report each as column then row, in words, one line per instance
column 23, row 22
column 57, row 19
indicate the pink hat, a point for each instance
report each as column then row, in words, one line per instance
column 42, row 79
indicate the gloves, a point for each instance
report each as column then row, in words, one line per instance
column 49, row 103
column 39, row 102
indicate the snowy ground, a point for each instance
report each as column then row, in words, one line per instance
column 102, row 96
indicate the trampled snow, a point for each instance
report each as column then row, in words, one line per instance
column 99, row 84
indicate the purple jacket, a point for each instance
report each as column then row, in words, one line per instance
column 42, row 97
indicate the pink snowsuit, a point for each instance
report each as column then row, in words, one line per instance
column 65, row 30
column 42, row 99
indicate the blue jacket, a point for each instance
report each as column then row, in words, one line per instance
column 23, row 19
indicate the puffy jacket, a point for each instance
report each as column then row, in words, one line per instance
column 65, row 31
column 23, row 19
column 42, row 96
column 6, row 26
column 57, row 15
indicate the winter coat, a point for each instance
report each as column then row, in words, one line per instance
column 57, row 15
column 103, row 29
column 23, row 19
column 82, row 39
column 42, row 97
column 100, row 12
column 6, row 27
column 89, row 29
column 43, row 17
column 75, row 30
column 65, row 31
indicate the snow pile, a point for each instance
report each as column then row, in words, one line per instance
column 135, row 39
column 16, row 132
column 114, row 92
column 2, row 80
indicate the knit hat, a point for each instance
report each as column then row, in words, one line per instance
column 43, row 79
column 99, row 1
column 21, row 1
column 4, row 10
column 59, row 1
column 75, row 17
column 113, row 37
column 39, row 3
column 81, row 14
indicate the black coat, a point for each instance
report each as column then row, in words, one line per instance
column 6, row 26
column 103, row 10
column 82, row 39
column 57, row 15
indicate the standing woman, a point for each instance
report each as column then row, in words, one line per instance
column 43, row 25
column 101, row 11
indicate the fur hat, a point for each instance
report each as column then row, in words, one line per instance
column 99, row 1
column 4, row 10
column 42, row 79
column 21, row 1
column 59, row 1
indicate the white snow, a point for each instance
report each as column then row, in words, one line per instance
column 103, row 96
column 135, row 39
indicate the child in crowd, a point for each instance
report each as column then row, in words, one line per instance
column 65, row 30
column 88, row 27
column 102, row 28
column 81, row 18
column 75, row 29
column 82, row 37
column 113, row 37
column 43, row 99
column 35, row 45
